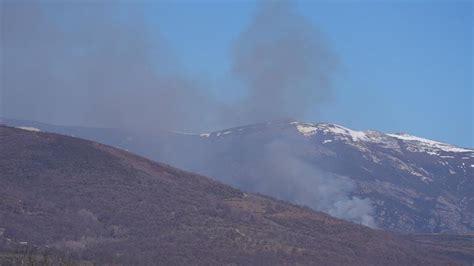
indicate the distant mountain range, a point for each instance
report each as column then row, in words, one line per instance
column 396, row 182
column 95, row 203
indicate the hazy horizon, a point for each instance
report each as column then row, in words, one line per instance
column 386, row 66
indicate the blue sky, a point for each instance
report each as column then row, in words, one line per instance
column 405, row 66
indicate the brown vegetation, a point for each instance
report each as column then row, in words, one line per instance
column 95, row 202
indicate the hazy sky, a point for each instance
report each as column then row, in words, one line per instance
column 402, row 65
column 406, row 65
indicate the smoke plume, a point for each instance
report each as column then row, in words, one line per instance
column 286, row 175
column 102, row 64
column 285, row 64
column 94, row 63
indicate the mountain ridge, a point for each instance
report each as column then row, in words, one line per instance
column 98, row 203
column 406, row 184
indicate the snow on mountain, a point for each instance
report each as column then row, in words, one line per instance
column 414, row 184
column 416, row 144
column 429, row 146
column 29, row 128
column 308, row 129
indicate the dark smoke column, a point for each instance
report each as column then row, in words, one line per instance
column 284, row 62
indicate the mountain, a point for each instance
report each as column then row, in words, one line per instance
column 396, row 182
column 413, row 184
column 97, row 203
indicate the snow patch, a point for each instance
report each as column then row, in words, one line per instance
column 430, row 146
column 306, row 129
column 327, row 141
column 355, row 135
column 344, row 133
column 34, row 129
column 182, row 133
column 341, row 132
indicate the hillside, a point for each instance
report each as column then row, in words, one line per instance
column 410, row 183
column 95, row 202
column 397, row 182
